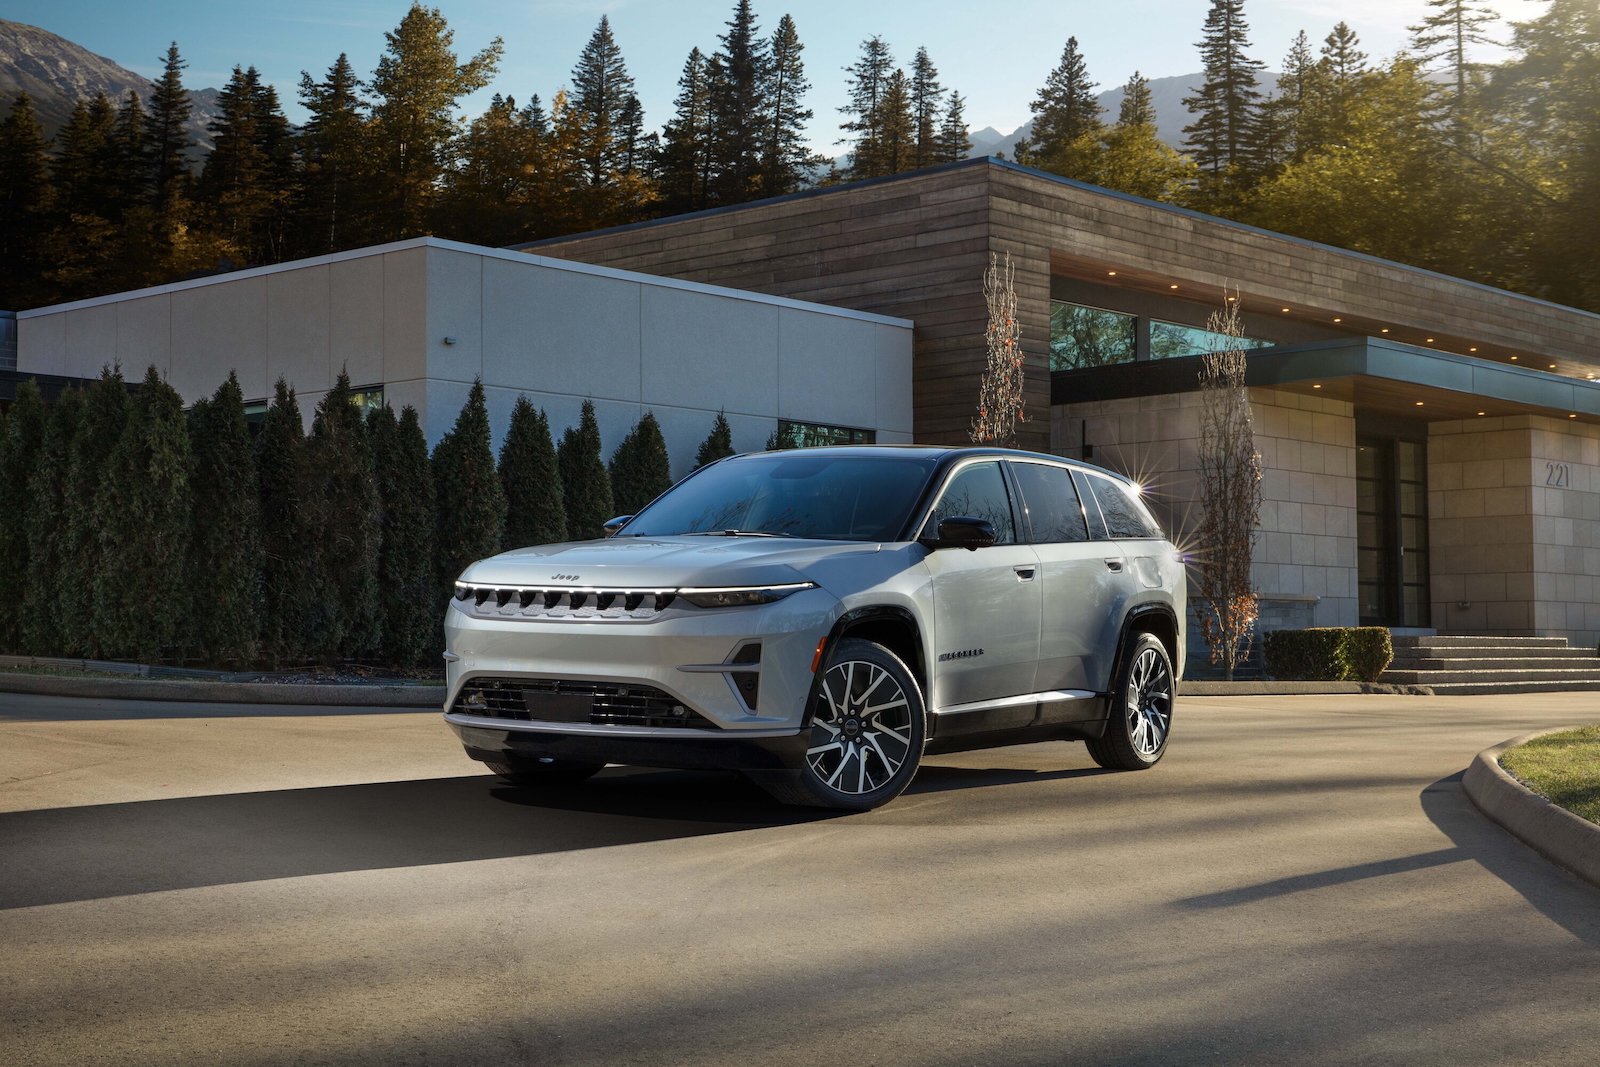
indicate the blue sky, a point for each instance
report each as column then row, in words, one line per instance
column 995, row 54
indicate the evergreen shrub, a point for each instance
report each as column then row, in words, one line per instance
column 1328, row 653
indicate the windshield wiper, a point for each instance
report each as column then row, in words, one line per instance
column 735, row 533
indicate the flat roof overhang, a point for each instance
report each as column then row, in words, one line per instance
column 1376, row 375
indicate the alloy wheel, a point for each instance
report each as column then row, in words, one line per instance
column 861, row 731
column 1149, row 702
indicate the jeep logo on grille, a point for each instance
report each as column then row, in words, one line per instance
column 563, row 577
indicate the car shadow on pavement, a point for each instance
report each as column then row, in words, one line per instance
column 91, row 852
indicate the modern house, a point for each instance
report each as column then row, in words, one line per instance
column 1431, row 446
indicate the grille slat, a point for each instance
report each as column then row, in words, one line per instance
column 564, row 700
column 583, row 605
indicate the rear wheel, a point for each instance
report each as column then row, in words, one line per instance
column 1141, row 709
column 537, row 772
column 868, row 726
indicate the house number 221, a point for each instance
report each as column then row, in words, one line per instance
column 1558, row 475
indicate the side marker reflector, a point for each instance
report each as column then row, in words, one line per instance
column 816, row 657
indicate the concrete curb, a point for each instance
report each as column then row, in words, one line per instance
column 1276, row 688
column 1549, row 830
column 365, row 696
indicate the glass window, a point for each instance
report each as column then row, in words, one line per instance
column 818, row 495
column 977, row 492
column 1169, row 339
column 368, row 400
column 812, row 434
column 1125, row 516
column 1088, row 337
column 1051, row 502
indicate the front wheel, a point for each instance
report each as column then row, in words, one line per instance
column 538, row 772
column 868, row 727
column 1141, row 709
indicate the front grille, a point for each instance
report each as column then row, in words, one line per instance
column 589, row 605
column 562, row 700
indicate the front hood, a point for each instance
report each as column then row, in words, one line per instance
column 662, row 562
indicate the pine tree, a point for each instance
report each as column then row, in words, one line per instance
column 1136, row 108
column 737, row 98
column 167, row 136
column 341, row 502
column 640, row 468
column 868, row 79
column 601, row 88
column 226, row 538
column 487, row 196
column 786, row 159
column 536, row 514
column 100, row 429
column 1222, row 139
column 41, row 613
column 718, row 443
column 1065, row 109
column 471, row 504
column 413, row 130
column 247, row 175
column 406, row 589
column 1326, row 114
column 24, row 205
column 684, row 164
column 1279, row 135
column 143, row 513
column 286, row 529
column 128, row 156
column 927, row 96
column 24, row 438
column 84, row 180
column 585, row 482
column 897, row 134
column 335, row 190
column 1442, row 39
column 954, row 143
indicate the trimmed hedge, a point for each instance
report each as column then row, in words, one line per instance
column 1328, row 653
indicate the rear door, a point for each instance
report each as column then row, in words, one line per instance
column 986, row 606
column 1084, row 587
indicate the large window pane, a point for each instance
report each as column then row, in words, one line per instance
column 1088, row 337
column 812, row 434
column 1169, row 339
column 1053, row 509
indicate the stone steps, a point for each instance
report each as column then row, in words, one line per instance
column 1467, row 664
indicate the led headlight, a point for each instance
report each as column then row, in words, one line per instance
column 734, row 596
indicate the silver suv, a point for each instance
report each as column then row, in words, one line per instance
column 820, row 618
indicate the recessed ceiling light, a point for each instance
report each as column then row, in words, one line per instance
column 1111, row 273
column 1231, row 299
column 1430, row 340
column 1285, row 309
column 1338, row 320
column 1483, row 413
column 1552, row 366
column 1316, row 387
column 1474, row 348
column 1513, row 359
column 1419, row 403
column 1573, row 415
column 1385, row 329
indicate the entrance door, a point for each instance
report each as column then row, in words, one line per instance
column 1392, row 531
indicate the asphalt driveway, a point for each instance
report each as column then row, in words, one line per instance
column 1300, row 880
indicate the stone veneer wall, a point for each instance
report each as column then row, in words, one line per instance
column 1514, row 527
column 1305, row 553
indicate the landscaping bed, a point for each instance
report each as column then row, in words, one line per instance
column 1563, row 767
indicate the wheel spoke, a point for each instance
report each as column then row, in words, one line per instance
column 888, row 764
column 831, row 746
column 875, row 709
column 876, row 681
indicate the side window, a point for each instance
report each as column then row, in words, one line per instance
column 978, row 492
column 1054, row 513
column 1124, row 516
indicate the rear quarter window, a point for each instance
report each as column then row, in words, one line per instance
column 1125, row 517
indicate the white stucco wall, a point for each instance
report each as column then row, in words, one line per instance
column 558, row 331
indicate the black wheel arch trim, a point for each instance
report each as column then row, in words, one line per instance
column 1130, row 627
column 855, row 618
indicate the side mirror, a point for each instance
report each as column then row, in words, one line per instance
column 963, row 531
column 613, row 525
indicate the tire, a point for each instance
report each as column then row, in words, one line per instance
column 865, row 738
column 533, row 773
column 1141, row 709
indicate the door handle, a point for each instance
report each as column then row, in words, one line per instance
column 1024, row 572
column 1114, row 565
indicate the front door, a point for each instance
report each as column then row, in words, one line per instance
column 986, row 607
column 1392, row 531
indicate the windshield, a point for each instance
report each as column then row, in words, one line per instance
column 812, row 495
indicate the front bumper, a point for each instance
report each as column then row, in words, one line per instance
column 684, row 652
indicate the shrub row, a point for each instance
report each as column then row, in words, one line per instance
column 1328, row 653
column 132, row 529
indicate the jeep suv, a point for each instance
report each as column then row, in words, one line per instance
column 819, row 619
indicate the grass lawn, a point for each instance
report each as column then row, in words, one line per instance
column 1564, row 768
